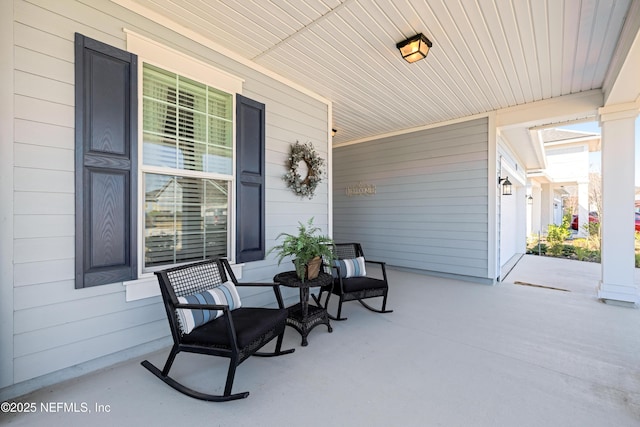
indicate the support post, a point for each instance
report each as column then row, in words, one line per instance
column 618, row 193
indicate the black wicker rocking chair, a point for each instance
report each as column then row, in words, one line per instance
column 350, row 284
column 235, row 334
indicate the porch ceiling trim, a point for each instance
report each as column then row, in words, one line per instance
column 208, row 43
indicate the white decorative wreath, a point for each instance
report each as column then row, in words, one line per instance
column 303, row 186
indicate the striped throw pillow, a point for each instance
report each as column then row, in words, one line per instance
column 350, row 267
column 224, row 294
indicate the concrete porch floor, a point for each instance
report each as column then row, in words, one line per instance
column 452, row 353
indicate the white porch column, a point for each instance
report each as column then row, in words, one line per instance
column 583, row 208
column 618, row 220
column 546, row 207
column 536, row 224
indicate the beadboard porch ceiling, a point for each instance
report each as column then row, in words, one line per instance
column 487, row 54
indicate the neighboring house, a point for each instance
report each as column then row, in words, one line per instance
column 566, row 174
column 120, row 125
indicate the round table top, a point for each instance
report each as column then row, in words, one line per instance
column 290, row 279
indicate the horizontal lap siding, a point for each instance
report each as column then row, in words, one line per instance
column 57, row 326
column 429, row 211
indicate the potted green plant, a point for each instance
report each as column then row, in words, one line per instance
column 308, row 248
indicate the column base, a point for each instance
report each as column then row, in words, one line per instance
column 620, row 295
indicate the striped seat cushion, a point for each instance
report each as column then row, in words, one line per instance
column 350, row 267
column 224, row 294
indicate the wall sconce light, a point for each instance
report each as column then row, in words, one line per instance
column 506, row 186
column 333, row 132
column 529, row 199
column 414, row 48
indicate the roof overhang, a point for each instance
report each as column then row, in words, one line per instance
column 520, row 125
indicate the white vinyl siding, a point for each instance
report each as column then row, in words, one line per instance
column 429, row 211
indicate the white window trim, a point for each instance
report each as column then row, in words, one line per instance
column 175, row 61
column 154, row 53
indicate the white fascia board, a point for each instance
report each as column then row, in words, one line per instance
column 560, row 109
column 415, row 129
column 538, row 147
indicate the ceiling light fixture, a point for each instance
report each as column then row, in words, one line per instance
column 414, row 48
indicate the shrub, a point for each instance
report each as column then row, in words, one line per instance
column 536, row 247
column 592, row 228
column 581, row 253
column 568, row 250
column 586, row 254
column 556, row 235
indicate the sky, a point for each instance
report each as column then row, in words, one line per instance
column 594, row 158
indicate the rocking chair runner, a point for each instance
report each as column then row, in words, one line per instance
column 351, row 282
column 236, row 333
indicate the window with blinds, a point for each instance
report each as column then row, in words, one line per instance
column 187, row 168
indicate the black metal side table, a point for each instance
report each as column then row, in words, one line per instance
column 302, row 316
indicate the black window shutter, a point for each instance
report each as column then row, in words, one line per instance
column 106, row 163
column 250, row 177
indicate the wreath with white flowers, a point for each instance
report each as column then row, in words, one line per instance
column 303, row 186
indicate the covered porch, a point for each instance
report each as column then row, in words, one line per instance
column 452, row 353
column 443, row 134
